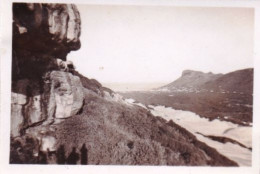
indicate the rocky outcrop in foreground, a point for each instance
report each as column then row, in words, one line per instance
column 59, row 116
column 59, row 96
column 43, row 87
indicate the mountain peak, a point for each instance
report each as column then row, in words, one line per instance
column 192, row 79
column 240, row 80
column 194, row 72
column 190, row 72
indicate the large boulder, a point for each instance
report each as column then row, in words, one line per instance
column 33, row 101
column 67, row 92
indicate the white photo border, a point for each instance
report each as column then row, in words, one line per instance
column 5, row 70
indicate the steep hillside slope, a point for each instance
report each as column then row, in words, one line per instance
column 240, row 81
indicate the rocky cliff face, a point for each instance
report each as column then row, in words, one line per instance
column 60, row 116
column 43, row 87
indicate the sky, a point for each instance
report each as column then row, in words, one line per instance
column 154, row 44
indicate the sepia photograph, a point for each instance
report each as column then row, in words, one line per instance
column 131, row 85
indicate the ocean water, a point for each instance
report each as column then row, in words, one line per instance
column 121, row 87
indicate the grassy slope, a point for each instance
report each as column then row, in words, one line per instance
column 119, row 134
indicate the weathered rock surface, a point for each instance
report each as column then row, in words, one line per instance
column 59, row 96
column 43, row 87
column 67, row 92
column 51, row 28
column 41, row 33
